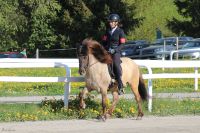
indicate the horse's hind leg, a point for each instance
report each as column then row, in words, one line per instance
column 82, row 96
column 134, row 88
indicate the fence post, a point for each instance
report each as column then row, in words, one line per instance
column 177, row 43
column 67, row 87
column 37, row 53
column 150, row 91
column 196, row 79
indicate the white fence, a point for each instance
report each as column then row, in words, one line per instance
column 43, row 63
column 70, row 63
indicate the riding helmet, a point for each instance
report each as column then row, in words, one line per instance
column 114, row 17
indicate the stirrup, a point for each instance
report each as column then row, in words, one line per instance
column 121, row 91
column 113, row 80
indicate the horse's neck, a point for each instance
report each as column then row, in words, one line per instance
column 96, row 67
column 97, row 75
column 92, row 60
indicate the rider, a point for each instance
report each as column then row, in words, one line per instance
column 113, row 41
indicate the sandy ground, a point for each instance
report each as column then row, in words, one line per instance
column 149, row 124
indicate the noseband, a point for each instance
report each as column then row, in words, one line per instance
column 89, row 65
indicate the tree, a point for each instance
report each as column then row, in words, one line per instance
column 41, row 16
column 155, row 14
column 48, row 24
column 88, row 18
column 11, row 23
column 190, row 10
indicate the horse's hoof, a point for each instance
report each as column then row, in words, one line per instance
column 101, row 118
column 107, row 116
column 139, row 117
column 83, row 106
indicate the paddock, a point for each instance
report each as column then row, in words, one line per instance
column 73, row 63
column 150, row 124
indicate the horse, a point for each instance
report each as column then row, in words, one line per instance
column 93, row 64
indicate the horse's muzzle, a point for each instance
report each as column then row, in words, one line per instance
column 81, row 71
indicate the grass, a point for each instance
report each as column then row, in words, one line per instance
column 26, row 89
column 53, row 109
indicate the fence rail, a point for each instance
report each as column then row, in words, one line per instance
column 73, row 63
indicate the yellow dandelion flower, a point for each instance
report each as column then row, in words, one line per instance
column 45, row 113
column 35, row 118
column 108, row 102
column 18, row 115
column 132, row 110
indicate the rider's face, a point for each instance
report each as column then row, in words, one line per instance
column 113, row 24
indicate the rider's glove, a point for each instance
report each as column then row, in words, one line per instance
column 112, row 51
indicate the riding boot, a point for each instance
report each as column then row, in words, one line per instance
column 110, row 70
column 120, row 87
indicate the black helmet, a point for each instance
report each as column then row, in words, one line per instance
column 114, row 17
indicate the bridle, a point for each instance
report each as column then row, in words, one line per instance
column 87, row 66
column 83, row 56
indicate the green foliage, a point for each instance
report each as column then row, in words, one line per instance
column 86, row 18
column 53, row 109
column 11, row 23
column 41, row 15
column 190, row 10
column 156, row 13
column 50, row 24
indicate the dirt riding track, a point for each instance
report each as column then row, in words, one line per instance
column 149, row 124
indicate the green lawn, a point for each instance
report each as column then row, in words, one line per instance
column 24, row 89
column 53, row 109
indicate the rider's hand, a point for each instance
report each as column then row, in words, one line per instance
column 112, row 51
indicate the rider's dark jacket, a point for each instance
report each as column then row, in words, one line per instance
column 114, row 40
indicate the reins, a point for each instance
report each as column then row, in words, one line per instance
column 88, row 66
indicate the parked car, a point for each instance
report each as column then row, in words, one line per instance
column 190, row 46
column 173, row 40
column 137, row 42
column 131, row 48
column 13, row 54
column 154, row 51
column 156, row 48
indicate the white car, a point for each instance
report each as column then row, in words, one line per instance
column 193, row 49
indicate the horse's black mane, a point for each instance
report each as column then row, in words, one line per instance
column 95, row 48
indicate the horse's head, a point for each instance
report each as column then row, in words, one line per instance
column 82, row 53
column 91, row 47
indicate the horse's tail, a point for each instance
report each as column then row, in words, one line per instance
column 142, row 88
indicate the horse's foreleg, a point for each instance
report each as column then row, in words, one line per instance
column 82, row 96
column 115, row 101
column 104, row 105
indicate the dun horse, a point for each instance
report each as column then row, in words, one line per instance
column 93, row 60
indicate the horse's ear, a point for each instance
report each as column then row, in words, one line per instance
column 78, row 48
column 77, row 45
